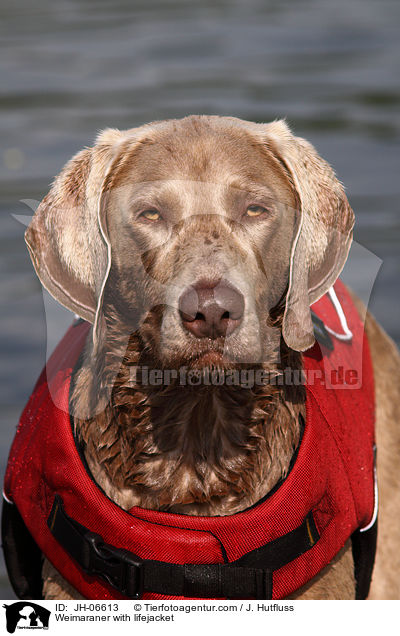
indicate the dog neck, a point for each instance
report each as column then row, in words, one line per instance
column 201, row 450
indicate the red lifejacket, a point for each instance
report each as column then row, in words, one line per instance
column 327, row 496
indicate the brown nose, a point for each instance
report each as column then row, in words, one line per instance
column 210, row 310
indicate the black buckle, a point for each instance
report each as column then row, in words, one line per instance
column 118, row 567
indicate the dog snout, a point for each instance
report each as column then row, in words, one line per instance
column 211, row 309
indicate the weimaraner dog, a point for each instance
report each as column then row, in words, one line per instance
column 203, row 242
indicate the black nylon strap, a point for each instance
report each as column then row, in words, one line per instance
column 248, row 577
column 22, row 556
column 206, row 580
column 320, row 332
column 281, row 551
column 364, row 550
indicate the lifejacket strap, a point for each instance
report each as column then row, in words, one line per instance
column 251, row 576
column 118, row 567
column 320, row 332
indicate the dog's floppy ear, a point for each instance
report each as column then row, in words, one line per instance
column 324, row 230
column 66, row 240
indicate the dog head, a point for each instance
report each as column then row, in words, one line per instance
column 195, row 230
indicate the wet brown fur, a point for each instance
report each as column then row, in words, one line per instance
column 194, row 449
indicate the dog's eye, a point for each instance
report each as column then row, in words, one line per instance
column 255, row 210
column 150, row 215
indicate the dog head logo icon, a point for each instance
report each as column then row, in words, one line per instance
column 26, row 615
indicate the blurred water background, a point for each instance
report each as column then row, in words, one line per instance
column 70, row 68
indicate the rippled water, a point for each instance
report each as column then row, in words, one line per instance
column 71, row 68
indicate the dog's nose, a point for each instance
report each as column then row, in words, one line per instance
column 210, row 310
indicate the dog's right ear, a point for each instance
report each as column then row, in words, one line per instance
column 323, row 234
column 66, row 241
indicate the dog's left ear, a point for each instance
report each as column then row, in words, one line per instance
column 324, row 230
column 67, row 238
